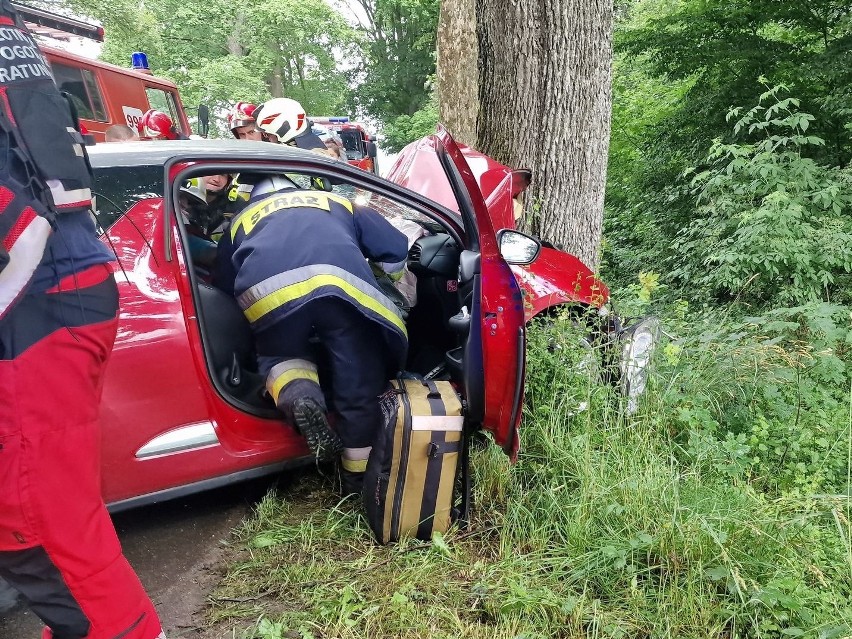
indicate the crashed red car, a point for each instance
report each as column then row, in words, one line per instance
column 555, row 280
column 184, row 408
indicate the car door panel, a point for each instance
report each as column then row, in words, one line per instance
column 152, row 353
column 494, row 370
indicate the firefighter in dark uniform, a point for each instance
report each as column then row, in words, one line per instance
column 300, row 269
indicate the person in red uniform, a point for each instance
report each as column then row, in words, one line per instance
column 58, row 320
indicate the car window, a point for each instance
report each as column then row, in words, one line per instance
column 205, row 220
column 82, row 87
column 117, row 189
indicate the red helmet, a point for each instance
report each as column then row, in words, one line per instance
column 156, row 124
column 241, row 115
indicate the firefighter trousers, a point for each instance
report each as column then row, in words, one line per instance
column 353, row 349
column 58, row 546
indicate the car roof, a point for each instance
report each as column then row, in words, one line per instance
column 148, row 152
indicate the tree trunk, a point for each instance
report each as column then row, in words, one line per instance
column 458, row 53
column 235, row 46
column 545, row 100
column 276, row 86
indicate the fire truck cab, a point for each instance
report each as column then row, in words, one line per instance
column 103, row 94
column 360, row 146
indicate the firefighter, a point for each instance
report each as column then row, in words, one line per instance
column 156, row 125
column 242, row 122
column 194, row 210
column 281, row 121
column 300, row 271
column 284, row 121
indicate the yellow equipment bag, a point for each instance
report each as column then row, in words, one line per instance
column 411, row 476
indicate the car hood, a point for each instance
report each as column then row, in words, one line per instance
column 556, row 277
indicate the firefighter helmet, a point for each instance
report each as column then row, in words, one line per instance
column 195, row 189
column 241, row 115
column 157, row 125
column 271, row 184
column 282, row 117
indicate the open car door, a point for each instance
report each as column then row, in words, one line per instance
column 495, row 351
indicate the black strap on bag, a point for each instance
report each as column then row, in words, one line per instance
column 461, row 513
column 44, row 168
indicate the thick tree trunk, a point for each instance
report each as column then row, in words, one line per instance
column 545, row 101
column 458, row 53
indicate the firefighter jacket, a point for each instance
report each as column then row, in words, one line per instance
column 295, row 246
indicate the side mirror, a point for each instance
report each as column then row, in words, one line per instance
column 203, row 120
column 517, row 247
column 372, row 151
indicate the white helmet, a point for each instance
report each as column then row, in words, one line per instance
column 270, row 184
column 195, row 189
column 282, row 117
column 321, row 132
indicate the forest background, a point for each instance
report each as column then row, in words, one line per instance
column 721, row 508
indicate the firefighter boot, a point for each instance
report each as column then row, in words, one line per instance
column 351, row 483
column 311, row 421
column 353, row 464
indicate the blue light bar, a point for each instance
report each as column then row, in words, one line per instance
column 338, row 120
column 139, row 61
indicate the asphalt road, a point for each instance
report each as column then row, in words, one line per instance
column 175, row 548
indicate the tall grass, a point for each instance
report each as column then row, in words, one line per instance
column 657, row 524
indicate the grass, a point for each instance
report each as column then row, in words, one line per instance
column 608, row 526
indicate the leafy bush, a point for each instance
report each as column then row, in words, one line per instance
column 772, row 225
column 407, row 128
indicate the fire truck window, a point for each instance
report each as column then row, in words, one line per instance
column 353, row 144
column 118, row 188
column 83, row 91
column 164, row 101
column 95, row 96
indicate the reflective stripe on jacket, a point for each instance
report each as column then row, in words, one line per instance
column 297, row 245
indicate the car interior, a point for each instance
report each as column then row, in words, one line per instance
column 429, row 295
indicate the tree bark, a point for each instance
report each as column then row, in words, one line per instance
column 544, row 103
column 276, row 85
column 457, row 73
column 235, row 46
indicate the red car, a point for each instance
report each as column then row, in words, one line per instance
column 184, row 408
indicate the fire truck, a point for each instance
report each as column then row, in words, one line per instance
column 360, row 145
column 103, row 94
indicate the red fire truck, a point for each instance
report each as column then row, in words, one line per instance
column 360, row 145
column 104, row 94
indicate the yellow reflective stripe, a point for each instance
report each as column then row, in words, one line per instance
column 354, row 465
column 291, row 375
column 292, row 292
column 249, row 218
column 340, row 200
